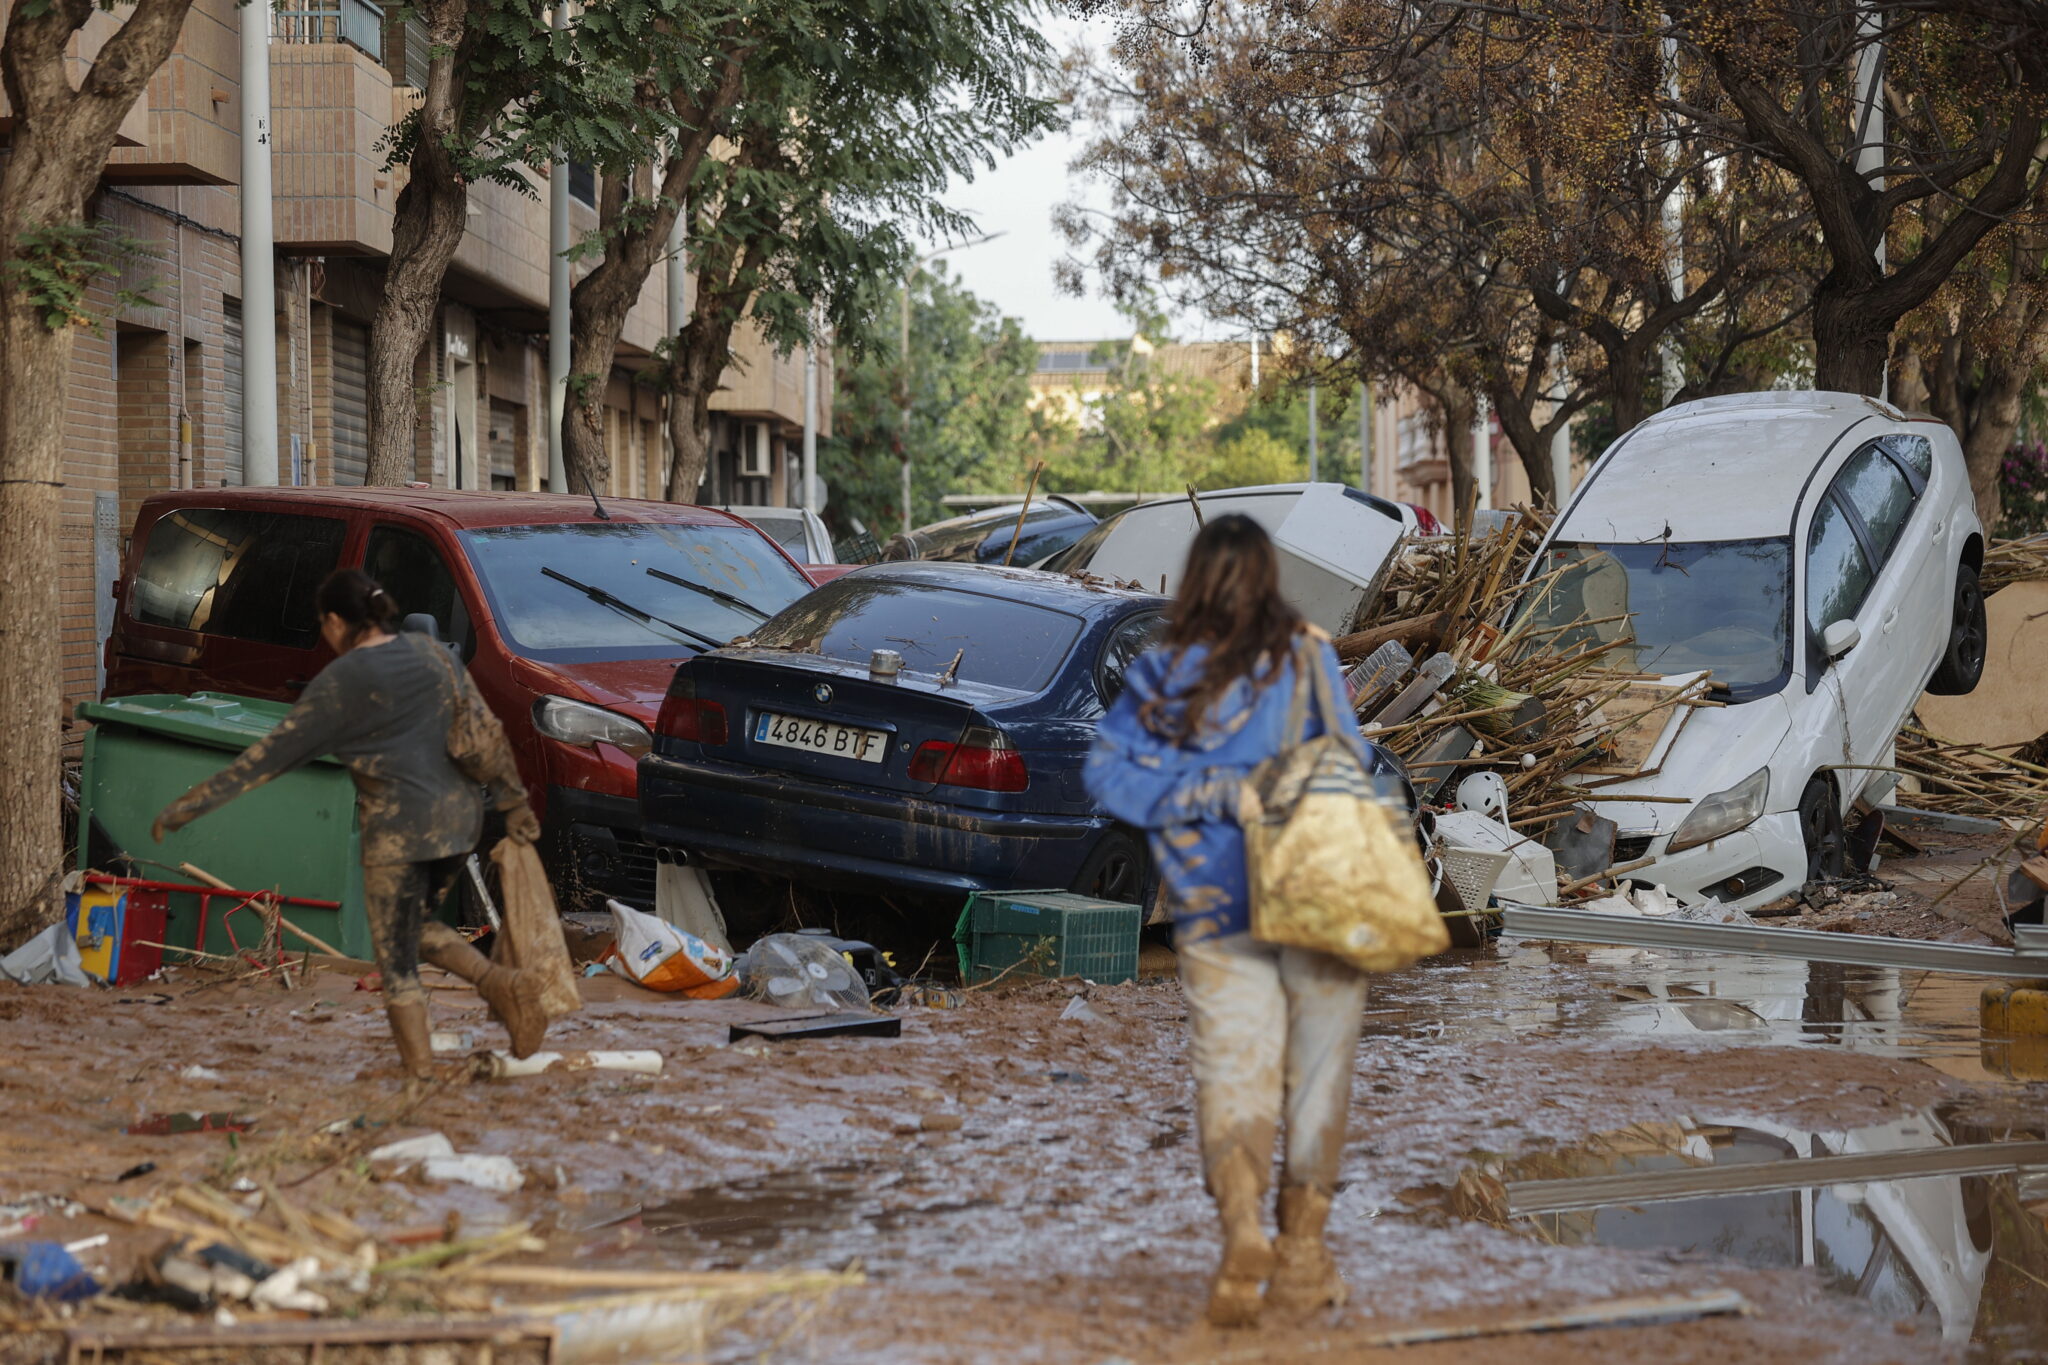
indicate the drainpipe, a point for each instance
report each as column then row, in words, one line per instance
column 677, row 278
column 1365, row 397
column 1313, row 451
column 558, row 303
column 259, row 263
column 1482, row 451
column 810, row 495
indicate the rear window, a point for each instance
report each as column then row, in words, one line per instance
column 243, row 574
column 588, row 591
column 999, row 642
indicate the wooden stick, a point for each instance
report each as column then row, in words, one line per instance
column 1017, row 532
column 1616, row 871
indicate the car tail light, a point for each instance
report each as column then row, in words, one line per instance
column 982, row 758
column 684, row 717
column 1426, row 523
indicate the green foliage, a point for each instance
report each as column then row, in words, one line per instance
column 970, row 388
column 2023, row 491
column 56, row 267
column 1252, row 456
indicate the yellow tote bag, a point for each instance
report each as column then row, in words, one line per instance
column 1331, row 867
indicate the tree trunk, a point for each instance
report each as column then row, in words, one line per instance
column 62, row 134
column 427, row 225
column 598, row 306
column 1457, row 407
column 1532, row 445
column 689, row 413
column 34, row 359
column 1851, row 343
column 1628, row 372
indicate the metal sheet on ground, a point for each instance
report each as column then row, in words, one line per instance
column 1856, row 950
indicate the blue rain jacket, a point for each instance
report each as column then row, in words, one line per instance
column 1185, row 794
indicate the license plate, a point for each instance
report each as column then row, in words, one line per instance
column 821, row 737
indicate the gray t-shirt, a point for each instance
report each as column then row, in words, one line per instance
column 383, row 711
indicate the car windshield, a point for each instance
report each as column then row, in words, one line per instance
column 961, row 538
column 581, row 591
column 999, row 641
column 786, row 530
column 1670, row 607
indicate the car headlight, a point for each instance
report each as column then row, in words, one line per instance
column 1724, row 812
column 575, row 722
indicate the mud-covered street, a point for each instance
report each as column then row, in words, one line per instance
column 1015, row 1185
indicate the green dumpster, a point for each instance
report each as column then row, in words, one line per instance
column 296, row 835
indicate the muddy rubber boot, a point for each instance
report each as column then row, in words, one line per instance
column 1247, row 1255
column 1306, row 1279
column 514, row 996
column 409, row 1029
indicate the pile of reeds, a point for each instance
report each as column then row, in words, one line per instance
column 1458, row 597
column 1986, row 780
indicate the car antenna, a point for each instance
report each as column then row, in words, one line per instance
column 591, row 489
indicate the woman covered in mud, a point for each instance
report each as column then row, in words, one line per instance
column 1273, row 1029
column 384, row 708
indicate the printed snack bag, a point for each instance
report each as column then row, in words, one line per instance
column 662, row 957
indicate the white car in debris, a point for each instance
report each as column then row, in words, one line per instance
column 1814, row 554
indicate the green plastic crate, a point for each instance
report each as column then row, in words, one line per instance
column 1062, row 933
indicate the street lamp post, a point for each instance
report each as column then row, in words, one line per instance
column 904, row 356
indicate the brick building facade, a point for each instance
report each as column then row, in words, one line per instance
column 155, row 393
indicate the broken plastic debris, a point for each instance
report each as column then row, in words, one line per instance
column 438, row 1160
column 414, row 1148
column 163, row 1125
column 1078, row 1011
column 199, row 1073
column 499, row 1173
column 499, row 1064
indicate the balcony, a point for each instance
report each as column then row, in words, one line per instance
column 331, row 102
column 358, row 23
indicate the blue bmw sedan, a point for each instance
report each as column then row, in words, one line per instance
column 915, row 727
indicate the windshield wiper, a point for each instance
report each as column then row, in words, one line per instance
column 620, row 604
column 716, row 594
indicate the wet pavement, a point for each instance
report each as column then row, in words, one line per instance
column 1018, row 1187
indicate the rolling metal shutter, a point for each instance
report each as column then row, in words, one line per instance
column 504, row 444
column 231, row 353
column 351, row 403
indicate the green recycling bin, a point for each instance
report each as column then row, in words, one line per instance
column 296, row 835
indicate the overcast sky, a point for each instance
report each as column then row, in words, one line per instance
column 1015, row 271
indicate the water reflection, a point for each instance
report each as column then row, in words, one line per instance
column 1690, row 998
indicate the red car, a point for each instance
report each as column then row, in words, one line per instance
column 571, row 620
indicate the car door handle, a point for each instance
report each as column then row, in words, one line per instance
column 1891, row 618
column 1940, row 529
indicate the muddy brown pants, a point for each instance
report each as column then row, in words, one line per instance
column 1274, row 1034
column 400, row 900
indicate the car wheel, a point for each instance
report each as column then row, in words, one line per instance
column 1118, row 869
column 1820, row 828
column 1962, row 662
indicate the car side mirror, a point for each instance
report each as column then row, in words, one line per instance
column 1839, row 638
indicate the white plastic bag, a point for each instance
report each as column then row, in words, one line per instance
column 662, row 957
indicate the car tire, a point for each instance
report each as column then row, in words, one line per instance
column 1820, row 829
column 1118, row 868
column 1962, row 660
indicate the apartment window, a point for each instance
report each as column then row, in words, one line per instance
column 583, row 183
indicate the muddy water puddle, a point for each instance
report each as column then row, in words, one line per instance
column 817, row 1215
column 1647, row 995
column 1920, row 1218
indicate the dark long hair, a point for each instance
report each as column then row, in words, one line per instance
column 358, row 599
column 1229, row 601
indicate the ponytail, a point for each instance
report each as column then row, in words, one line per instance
column 359, row 600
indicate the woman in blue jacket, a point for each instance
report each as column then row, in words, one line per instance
column 1273, row 1030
